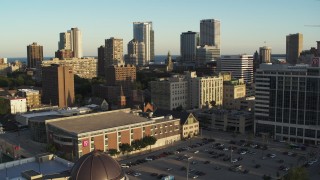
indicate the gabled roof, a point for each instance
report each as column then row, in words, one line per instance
column 183, row 115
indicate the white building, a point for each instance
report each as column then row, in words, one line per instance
column 16, row 104
column 265, row 54
column 143, row 32
column 240, row 66
column 188, row 46
column 169, row 93
column 203, row 90
column 72, row 39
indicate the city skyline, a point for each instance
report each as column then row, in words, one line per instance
column 245, row 25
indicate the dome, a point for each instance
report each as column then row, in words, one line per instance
column 97, row 165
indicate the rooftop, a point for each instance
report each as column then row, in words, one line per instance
column 97, row 121
column 15, row 168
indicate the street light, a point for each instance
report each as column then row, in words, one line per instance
column 188, row 167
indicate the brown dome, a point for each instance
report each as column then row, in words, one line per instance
column 96, row 165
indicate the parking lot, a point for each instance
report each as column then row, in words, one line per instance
column 216, row 159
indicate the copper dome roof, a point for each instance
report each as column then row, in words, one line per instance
column 96, row 165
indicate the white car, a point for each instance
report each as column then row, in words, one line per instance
column 124, row 166
column 196, row 152
column 225, row 149
column 148, row 159
column 272, row 155
column 195, row 176
column 136, row 174
column 243, row 152
column 234, row 160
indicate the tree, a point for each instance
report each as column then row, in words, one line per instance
column 125, row 148
column 51, row 148
column 113, row 152
column 297, row 173
column 137, row 144
column 4, row 107
column 149, row 140
column 265, row 177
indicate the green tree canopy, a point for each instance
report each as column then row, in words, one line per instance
column 297, row 173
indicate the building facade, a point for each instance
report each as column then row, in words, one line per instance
column 203, row 90
column 294, row 46
column 84, row 67
column 188, row 46
column 101, row 61
column 33, row 97
column 107, row 130
column 143, row 32
column 170, row 93
column 113, row 52
column 58, row 85
column 16, row 104
column 34, row 55
column 287, row 103
column 240, row 66
column 210, row 32
column 124, row 75
column 190, row 127
column 207, row 54
column 234, row 92
column 71, row 40
column 136, row 53
column 65, row 41
column 265, row 54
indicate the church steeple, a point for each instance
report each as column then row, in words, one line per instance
column 122, row 99
column 169, row 62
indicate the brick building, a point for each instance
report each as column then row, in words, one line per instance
column 79, row 135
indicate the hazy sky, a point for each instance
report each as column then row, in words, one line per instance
column 245, row 24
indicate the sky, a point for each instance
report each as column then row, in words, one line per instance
column 246, row 25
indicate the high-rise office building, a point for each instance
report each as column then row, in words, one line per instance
column 287, row 104
column 76, row 37
column 210, row 32
column 136, row 55
column 143, row 32
column 206, row 54
column 240, row 66
column 188, row 46
column 113, row 52
column 35, row 54
column 294, row 45
column 65, row 41
column 71, row 40
column 265, row 54
column 58, row 85
column 101, row 61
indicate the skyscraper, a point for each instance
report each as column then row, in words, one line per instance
column 135, row 54
column 65, row 41
column 294, row 45
column 71, row 40
column 113, row 52
column 76, row 38
column 58, row 85
column 188, row 46
column 143, row 32
column 35, row 54
column 210, row 32
column 101, row 61
column 265, row 54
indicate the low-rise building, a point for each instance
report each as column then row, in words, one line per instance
column 227, row 120
column 32, row 96
column 79, row 135
column 15, row 104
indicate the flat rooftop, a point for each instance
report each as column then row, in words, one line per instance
column 14, row 169
column 97, row 121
